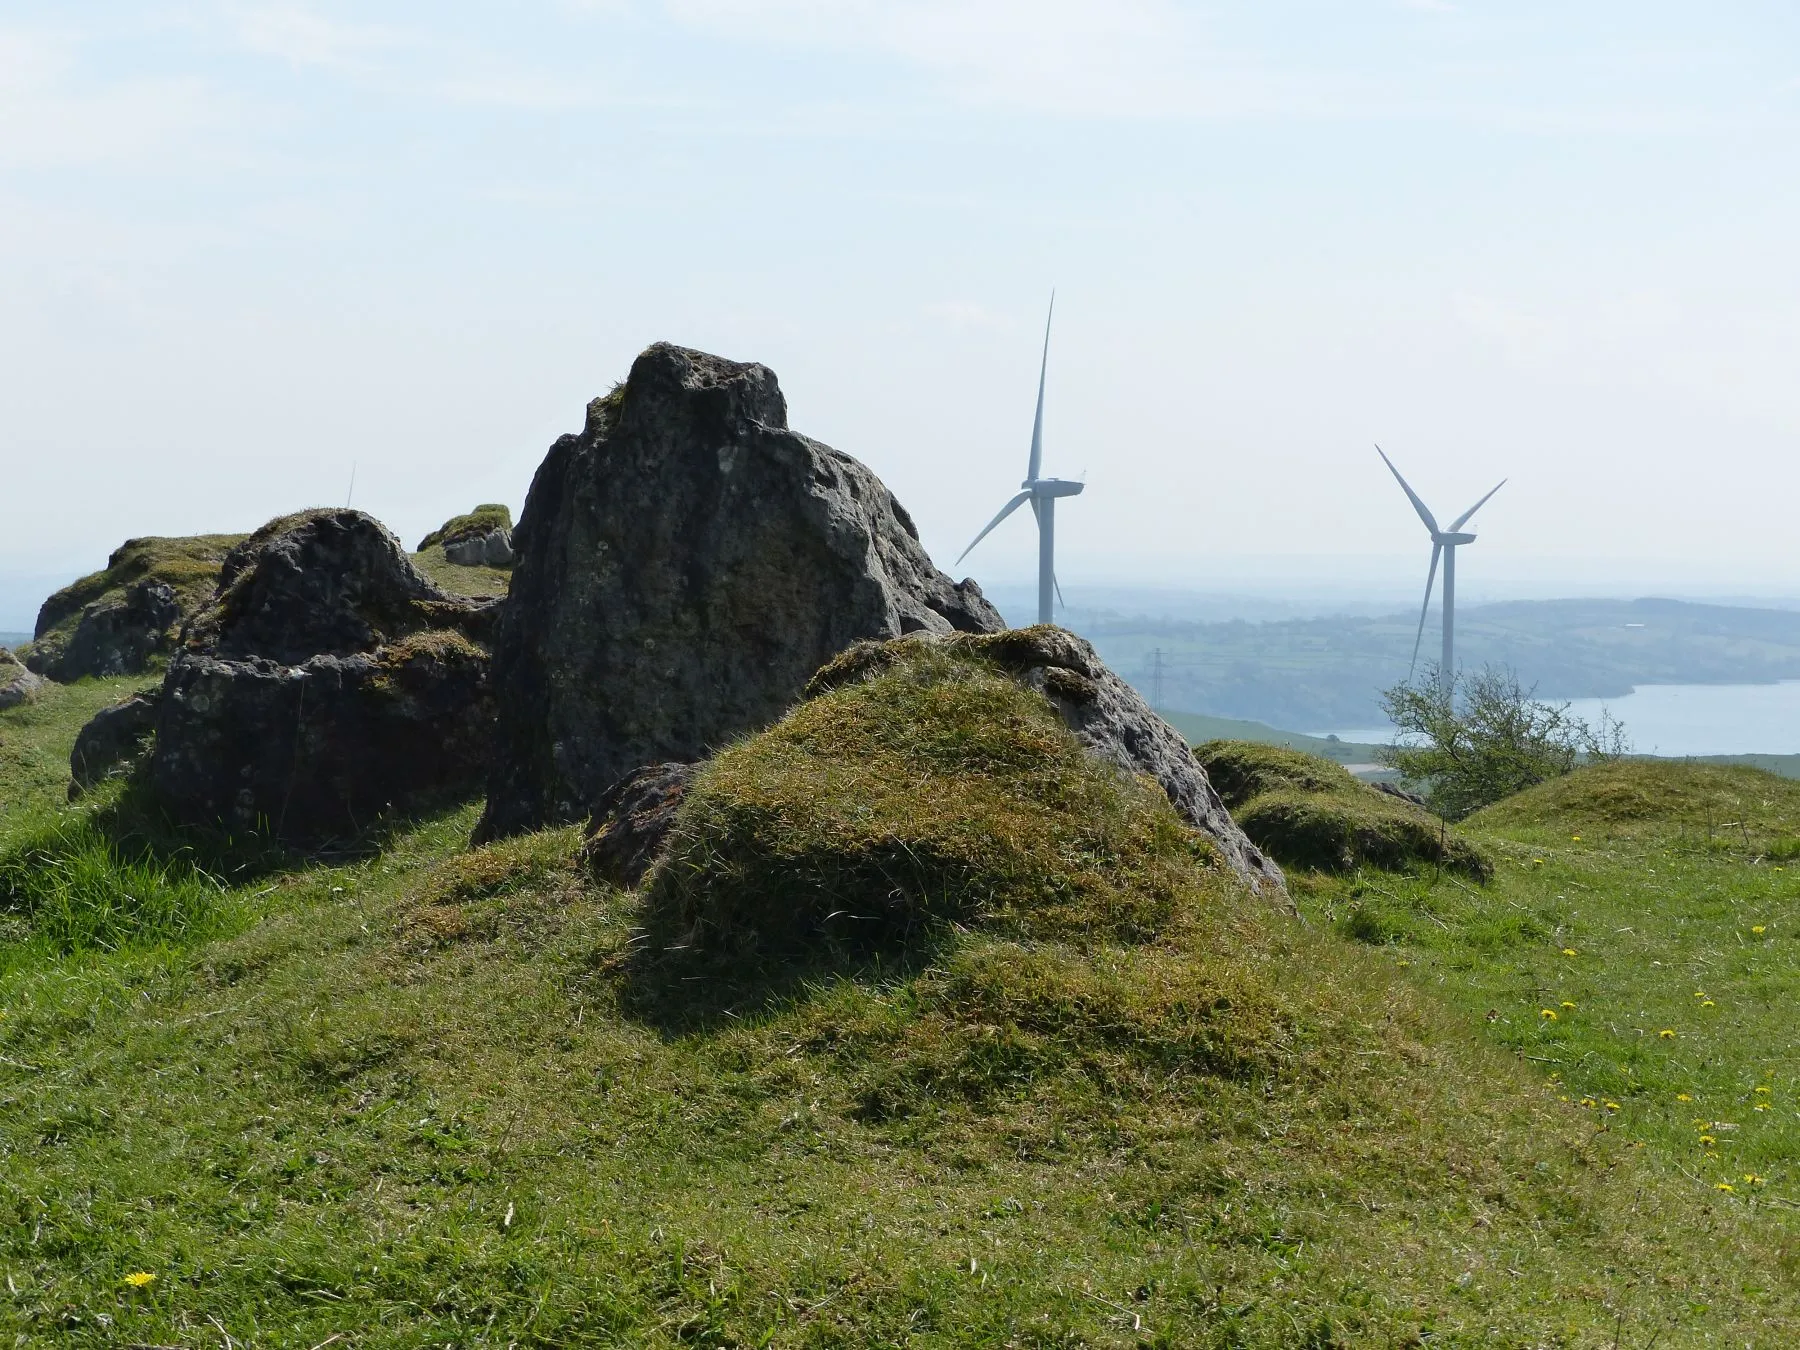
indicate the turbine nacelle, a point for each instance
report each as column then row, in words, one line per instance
column 1442, row 539
column 1053, row 487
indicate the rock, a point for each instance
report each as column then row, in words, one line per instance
column 124, row 619
column 1108, row 716
column 1412, row 798
column 493, row 549
column 17, row 683
column 327, row 683
column 112, row 742
column 484, row 519
column 632, row 820
column 684, row 564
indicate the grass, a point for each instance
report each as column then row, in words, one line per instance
column 439, row 1095
column 459, row 580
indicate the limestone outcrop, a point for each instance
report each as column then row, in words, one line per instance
column 1109, row 718
column 326, row 683
column 17, row 684
column 124, row 619
column 684, row 564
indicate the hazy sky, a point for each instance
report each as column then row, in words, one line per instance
column 245, row 247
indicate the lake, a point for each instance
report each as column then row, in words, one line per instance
column 1686, row 719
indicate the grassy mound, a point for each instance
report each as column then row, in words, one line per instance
column 189, row 565
column 484, row 519
column 1641, row 797
column 935, row 792
column 1308, row 812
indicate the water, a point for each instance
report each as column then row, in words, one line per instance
column 1686, row 719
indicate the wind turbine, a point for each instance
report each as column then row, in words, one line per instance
column 1445, row 543
column 1041, row 493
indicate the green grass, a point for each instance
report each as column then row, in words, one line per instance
column 460, row 580
column 483, row 519
column 446, row 1096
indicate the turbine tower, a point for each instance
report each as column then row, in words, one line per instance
column 1443, row 543
column 1041, row 493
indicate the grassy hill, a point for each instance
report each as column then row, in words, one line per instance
column 429, row 1095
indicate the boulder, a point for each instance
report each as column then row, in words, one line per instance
column 632, row 821
column 493, row 549
column 685, row 563
column 1108, row 717
column 326, row 683
column 112, row 742
column 17, row 684
column 123, row 620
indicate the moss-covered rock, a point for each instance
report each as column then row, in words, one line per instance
column 123, row 619
column 1308, row 812
column 936, row 792
column 483, row 520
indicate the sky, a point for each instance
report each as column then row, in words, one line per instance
column 249, row 250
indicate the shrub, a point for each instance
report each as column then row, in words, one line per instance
column 1497, row 741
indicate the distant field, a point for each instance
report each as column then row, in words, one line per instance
column 1197, row 727
column 1330, row 672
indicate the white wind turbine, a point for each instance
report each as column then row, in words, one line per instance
column 1444, row 543
column 1041, row 493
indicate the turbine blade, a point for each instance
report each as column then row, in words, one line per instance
column 1419, row 506
column 1059, row 600
column 1461, row 520
column 1005, row 511
column 1424, row 609
column 1037, row 425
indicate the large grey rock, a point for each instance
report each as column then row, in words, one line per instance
column 112, row 742
column 17, row 684
column 684, row 565
column 493, row 549
column 326, row 684
column 1108, row 716
column 118, row 635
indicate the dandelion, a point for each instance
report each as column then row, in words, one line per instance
column 1667, row 1033
column 1763, row 1087
column 1612, row 1106
column 1699, row 993
column 139, row 1278
column 1588, row 1101
column 1726, row 1186
column 1570, row 951
column 1707, row 1003
column 1684, row 1097
column 1567, row 1004
column 1756, row 928
column 1754, row 1179
column 1708, row 1140
column 1574, row 839
column 1537, row 862
column 1548, row 1014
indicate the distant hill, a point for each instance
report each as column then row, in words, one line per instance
column 1330, row 671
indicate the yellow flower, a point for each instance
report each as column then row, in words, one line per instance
column 1753, row 1179
column 1699, row 993
column 1567, row 1004
column 1570, row 951
column 1667, row 1033
column 1575, row 838
column 1612, row 1106
column 1537, row 862
column 1756, row 928
column 1707, row 1003
column 1708, row 1139
column 1549, row 1014
column 1761, row 1106
column 1726, row 1186
column 139, row 1278
column 1763, row 1087
column 1683, row 1097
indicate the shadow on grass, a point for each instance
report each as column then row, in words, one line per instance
column 677, row 989
column 122, row 871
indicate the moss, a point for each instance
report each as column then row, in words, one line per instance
column 189, row 565
column 934, row 793
column 1309, row 813
column 1243, row 770
column 484, row 519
